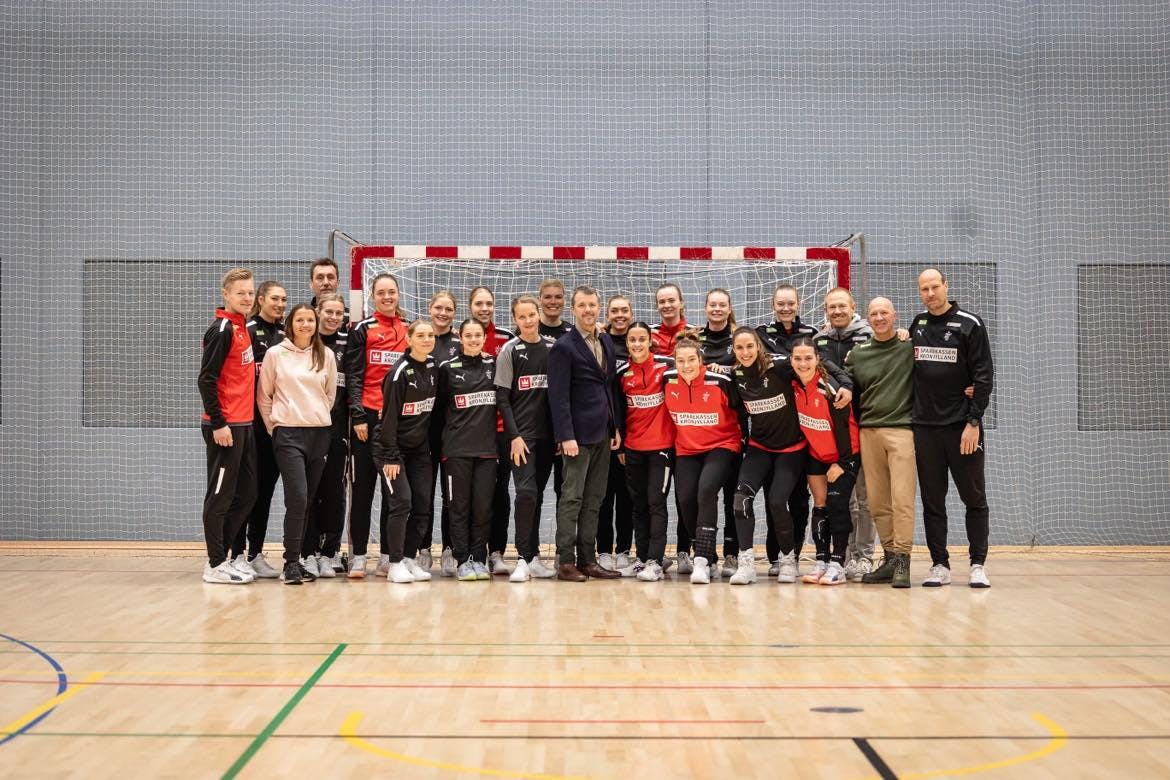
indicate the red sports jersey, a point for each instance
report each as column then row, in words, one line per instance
column 832, row 433
column 663, row 338
column 494, row 340
column 385, row 345
column 703, row 411
column 648, row 426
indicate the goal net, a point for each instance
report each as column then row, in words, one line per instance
column 749, row 274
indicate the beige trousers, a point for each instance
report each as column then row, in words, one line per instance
column 887, row 458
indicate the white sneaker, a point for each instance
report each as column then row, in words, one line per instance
column 357, row 567
column 631, row 569
column 497, row 567
column 335, row 562
column 605, row 561
column 262, row 569
column 652, row 572
column 858, row 568
column 834, row 574
column 400, row 573
column 685, row 565
column 383, row 569
column 224, row 574
column 325, row 568
column 520, row 573
column 745, row 571
column 425, row 560
column 774, row 569
column 447, row 564
column 939, row 575
column 538, row 570
column 622, row 561
column 310, row 565
column 730, row 565
column 787, row 569
column 701, row 574
column 417, row 572
column 979, row 576
column 241, row 565
column 713, row 571
column 814, row 576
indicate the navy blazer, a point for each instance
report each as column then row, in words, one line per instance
column 580, row 395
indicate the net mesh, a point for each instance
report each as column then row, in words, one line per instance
column 1023, row 144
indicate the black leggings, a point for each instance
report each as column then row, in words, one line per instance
column 411, row 504
column 501, row 501
column 366, row 475
column 698, row 480
column 798, row 504
column 253, row 532
column 648, row 482
column 327, row 510
column 615, row 524
column 300, row 455
column 832, row 523
column 436, row 437
column 470, row 484
column 530, row 480
column 779, row 471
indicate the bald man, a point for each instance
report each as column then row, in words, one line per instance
column 883, row 375
column 951, row 353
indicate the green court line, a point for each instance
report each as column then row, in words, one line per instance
column 274, row 724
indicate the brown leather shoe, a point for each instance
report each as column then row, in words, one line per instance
column 595, row 571
column 570, row 573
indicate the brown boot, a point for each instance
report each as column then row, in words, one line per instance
column 570, row 573
column 594, row 570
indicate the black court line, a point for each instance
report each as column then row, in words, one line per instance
column 871, row 755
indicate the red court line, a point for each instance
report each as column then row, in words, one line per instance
column 627, row 687
column 587, row 721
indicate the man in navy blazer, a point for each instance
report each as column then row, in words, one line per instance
column 581, row 368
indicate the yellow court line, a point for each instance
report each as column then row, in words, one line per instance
column 349, row 732
column 1059, row 740
column 37, row 711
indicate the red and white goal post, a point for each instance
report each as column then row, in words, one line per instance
column 750, row 274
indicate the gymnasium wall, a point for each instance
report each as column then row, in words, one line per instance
column 145, row 147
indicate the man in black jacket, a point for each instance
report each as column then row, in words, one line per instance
column 951, row 352
column 581, row 368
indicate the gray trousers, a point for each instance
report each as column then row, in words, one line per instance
column 584, row 480
column 861, row 540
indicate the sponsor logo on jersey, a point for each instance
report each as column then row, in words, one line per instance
column 936, row 354
column 532, row 382
column 763, row 405
column 415, row 408
column 247, row 357
column 725, row 370
column 813, row 423
column 645, row 401
column 922, row 322
column 482, row 398
column 954, row 324
column 341, row 379
column 692, row 420
column 384, row 357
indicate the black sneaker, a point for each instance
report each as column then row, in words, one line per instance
column 292, row 574
column 901, row 571
column 883, row 574
column 306, row 575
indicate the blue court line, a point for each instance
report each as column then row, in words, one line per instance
column 62, row 686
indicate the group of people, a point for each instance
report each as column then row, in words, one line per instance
column 856, row 416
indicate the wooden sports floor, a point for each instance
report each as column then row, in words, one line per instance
column 122, row 663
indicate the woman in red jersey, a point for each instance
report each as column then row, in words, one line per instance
column 648, row 447
column 704, row 406
column 834, row 458
column 375, row 345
